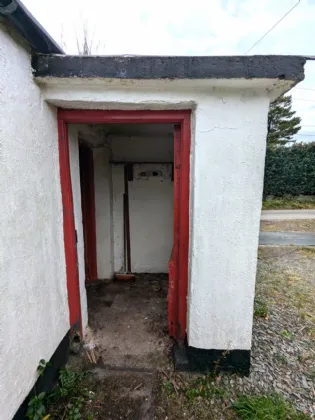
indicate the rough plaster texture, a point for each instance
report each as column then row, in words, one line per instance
column 34, row 314
column 77, row 208
column 227, row 180
column 103, row 212
column 227, row 163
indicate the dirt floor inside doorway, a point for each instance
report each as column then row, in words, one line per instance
column 129, row 336
column 128, row 323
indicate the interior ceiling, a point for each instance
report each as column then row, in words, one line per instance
column 96, row 134
column 136, row 129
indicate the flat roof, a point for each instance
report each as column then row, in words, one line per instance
column 282, row 67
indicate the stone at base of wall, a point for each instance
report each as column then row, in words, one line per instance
column 191, row 359
column 50, row 375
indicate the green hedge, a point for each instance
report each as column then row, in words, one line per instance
column 290, row 170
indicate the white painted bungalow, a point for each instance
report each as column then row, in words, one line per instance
column 115, row 166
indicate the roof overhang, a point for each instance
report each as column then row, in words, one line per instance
column 281, row 67
column 273, row 75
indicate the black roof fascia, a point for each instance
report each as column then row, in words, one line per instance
column 282, row 67
column 16, row 14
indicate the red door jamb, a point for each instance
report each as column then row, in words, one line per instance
column 183, row 226
column 172, row 297
column 88, row 211
column 70, row 241
column 178, row 309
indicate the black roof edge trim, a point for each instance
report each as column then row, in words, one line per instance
column 24, row 22
column 283, row 67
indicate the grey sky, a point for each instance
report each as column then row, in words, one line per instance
column 201, row 27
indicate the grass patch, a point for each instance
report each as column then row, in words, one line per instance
column 303, row 225
column 287, row 203
column 276, row 283
column 272, row 407
column 307, row 250
column 204, row 388
column 200, row 397
column 260, row 309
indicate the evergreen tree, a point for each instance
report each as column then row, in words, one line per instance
column 282, row 122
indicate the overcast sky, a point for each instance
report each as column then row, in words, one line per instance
column 198, row 27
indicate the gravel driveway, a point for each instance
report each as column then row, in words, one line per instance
column 283, row 350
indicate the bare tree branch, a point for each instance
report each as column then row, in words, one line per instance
column 85, row 43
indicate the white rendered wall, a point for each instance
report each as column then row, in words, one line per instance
column 34, row 314
column 229, row 127
column 77, row 208
column 227, row 182
column 103, row 213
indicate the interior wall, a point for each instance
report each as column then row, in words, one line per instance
column 150, row 214
column 150, row 202
column 34, row 313
column 151, row 217
column 77, row 208
column 103, row 212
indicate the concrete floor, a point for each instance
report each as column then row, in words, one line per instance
column 128, row 323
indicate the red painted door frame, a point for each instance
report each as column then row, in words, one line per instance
column 88, row 211
column 181, row 119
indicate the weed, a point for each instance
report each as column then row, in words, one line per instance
column 42, row 366
column 287, row 334
column 312, row 373
column 74, row 408
column 36, row 408
column 260, row 309
column 69, row 383
column 281, row 358
column 312, row 333
column 204, row 388
column 70, row 396
column 272, row 407
column 168, row 388
column 217, row 364
column 72, row 393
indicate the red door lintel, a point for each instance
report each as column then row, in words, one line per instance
column 179, row 268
